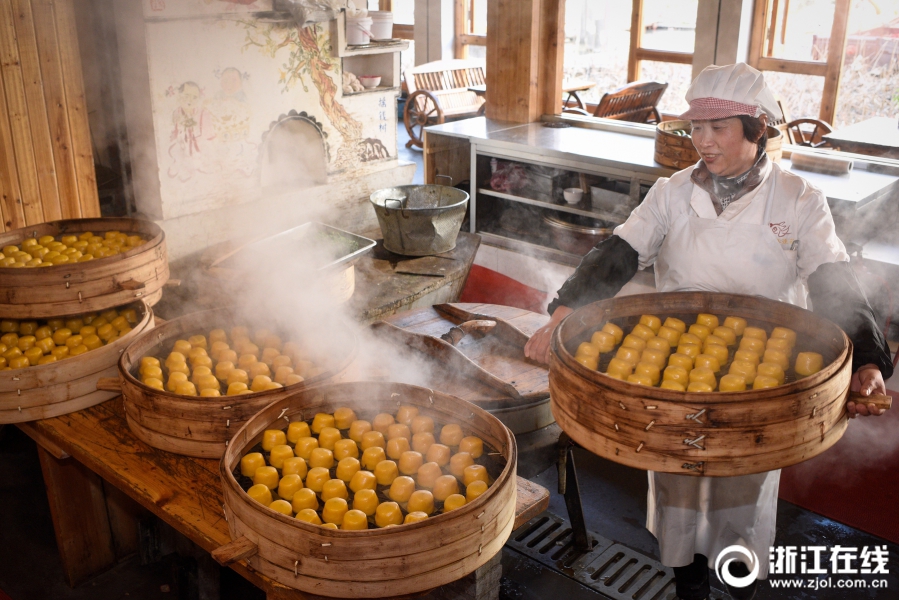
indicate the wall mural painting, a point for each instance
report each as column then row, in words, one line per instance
column 309, row 58
column 211, row 135
column 373, row 149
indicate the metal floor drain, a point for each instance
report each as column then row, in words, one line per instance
column 609, row 568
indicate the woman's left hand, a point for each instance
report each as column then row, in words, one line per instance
column 867, row 380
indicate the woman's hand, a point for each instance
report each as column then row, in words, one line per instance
column 537, row 347
column 867, row 380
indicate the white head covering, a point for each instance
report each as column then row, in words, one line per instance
column 728, row 91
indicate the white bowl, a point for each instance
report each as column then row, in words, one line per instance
column 572, row 195
column 370, row 81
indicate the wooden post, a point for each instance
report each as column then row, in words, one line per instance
column 524, row 59
column 836, row 51
column 80, row 520
column 633, row 63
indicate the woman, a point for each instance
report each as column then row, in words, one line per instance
column 734, row 223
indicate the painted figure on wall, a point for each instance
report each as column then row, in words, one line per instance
column 231, row 114
column 191, row 131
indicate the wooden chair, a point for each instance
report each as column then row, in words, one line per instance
column 439, row 90
column 802, row 132
column 634, row 102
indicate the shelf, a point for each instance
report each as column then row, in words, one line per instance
column 376, row 48
column 373, row 90
column 596, row 214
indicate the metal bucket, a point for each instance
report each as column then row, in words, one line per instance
column 420, row 220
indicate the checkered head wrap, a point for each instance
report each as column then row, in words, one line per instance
column 729, row 91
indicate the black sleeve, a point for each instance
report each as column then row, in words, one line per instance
column 837, row 295
column 601, row 274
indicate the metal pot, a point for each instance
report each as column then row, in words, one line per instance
column 576, row 234
column 420, row 220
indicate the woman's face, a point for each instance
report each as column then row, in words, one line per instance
column 722, row 146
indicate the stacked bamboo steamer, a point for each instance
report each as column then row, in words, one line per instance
column 711, row 434
column 373, row 563
column 201, row 426
column 132, row 278
column 673, row 150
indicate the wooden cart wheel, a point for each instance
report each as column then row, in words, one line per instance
column 422, row 109
column 811, row 138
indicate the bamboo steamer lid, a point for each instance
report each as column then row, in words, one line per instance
column 373, row 563
column 96, row 285
column 677, row 151
column 710, row 434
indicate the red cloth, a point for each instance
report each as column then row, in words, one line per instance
column 489, row 287
column 854, row 482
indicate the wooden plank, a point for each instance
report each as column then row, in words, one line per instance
column 459, row 48
column 79, row 517
column 55, row 103
column 43, row 441
column 76, row 106
column 37, row 112
column 17, row 107
column 836, row 51
column 124, row 514
column 512, row 73
column 798, row 67
column 682, row 58
column 532, row 500
column 633, row 63
column 550, row 55
column 10, row 191
column 757, row 36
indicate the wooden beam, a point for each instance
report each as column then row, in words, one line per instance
column 512, row 63
column 836, row 50
column 797, row 67
column 683, row 58
column 471, row 39
column 757, row 33
column 460, row 50
column 80, row 520
column 633, row 63
column 552, row 46
column 772, row 29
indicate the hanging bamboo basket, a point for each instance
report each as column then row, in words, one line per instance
column 677, row 151
column 198, row 426
column 138, row 274
column 373, row 563
column 713, row 434
column 68, row 385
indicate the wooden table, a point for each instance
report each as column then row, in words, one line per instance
column 78, row 450
column 875, row 137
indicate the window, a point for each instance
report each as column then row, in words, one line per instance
column 471, row 28
column 611, row 43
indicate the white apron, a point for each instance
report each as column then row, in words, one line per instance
column 703, row 515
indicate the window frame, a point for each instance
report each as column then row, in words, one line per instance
column 637, row 54
column 831, row 69
column 462, row 31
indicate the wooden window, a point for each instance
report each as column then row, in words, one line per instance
column 611, row 43
column 777, row 45
column 470, row 25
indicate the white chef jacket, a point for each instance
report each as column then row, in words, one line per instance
column 765, row 243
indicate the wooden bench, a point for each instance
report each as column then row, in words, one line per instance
column 439, row 91
column 634, row 102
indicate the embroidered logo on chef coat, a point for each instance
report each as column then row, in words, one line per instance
column 780, row 229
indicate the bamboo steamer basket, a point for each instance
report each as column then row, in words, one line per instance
column 96, row 285
column 198, row 426
column 374, row 563
column 711, row 434
column 677, row 150
column 69, row 385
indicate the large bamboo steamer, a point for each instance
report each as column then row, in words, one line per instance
column 678, row 151
column 374, row 563
column 96, row 285
column 197, row 426
column 732, row 433
column 68, row 385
